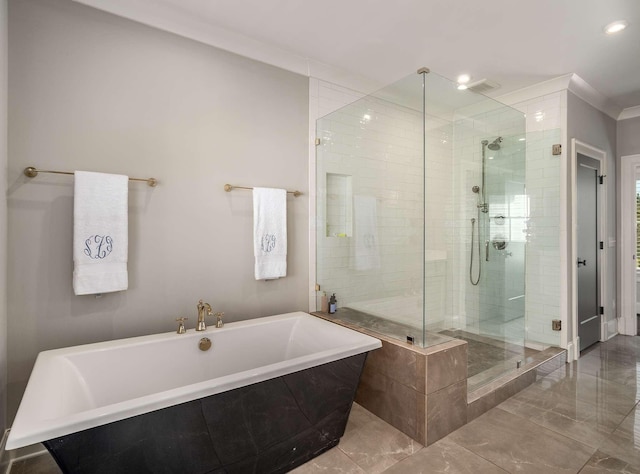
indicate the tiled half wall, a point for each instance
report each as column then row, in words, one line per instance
column 423, row 392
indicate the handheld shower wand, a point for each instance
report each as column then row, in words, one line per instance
column 475, row 281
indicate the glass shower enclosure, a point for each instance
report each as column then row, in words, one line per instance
column 421, row 219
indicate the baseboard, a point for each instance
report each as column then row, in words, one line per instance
column 611, row 329
column 7, row 458
column 5, row 463
column 573, row 350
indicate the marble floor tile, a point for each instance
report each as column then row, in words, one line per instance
column 518, row 445
column 601, row 463
column 611, row 369
column 358, row 418
column 624, row 443
column 375, row 445
column 444, row 457
column 567, row 384
column 579, row 422
column 41, row 464
column 333, row 461
column 623, row 448
column 630, row 426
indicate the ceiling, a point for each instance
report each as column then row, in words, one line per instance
column 516, row 43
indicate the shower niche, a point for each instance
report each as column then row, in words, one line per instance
column 339, row 205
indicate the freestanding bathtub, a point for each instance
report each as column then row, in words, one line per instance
column 270, row 394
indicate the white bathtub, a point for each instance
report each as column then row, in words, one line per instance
column 77, row 388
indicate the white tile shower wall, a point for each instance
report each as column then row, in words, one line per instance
column 498, row 299
column 546, row 118
column 380, row 146
column 324, row 98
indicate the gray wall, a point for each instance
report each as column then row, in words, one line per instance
column 3, row 212
column 588, row 125
column 629, row 137
column 91, row 91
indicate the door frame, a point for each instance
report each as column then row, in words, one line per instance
column 627, row 322
column 600, row 155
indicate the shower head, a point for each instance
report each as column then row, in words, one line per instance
column 494, row 145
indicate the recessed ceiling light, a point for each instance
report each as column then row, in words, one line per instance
column 462, row 87
column 616, row 27
column 463, row 78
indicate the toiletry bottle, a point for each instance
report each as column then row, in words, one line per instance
column 324, row 303
column 332, row 304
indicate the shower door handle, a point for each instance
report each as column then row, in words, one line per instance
column 582, row 262
column 486, row 251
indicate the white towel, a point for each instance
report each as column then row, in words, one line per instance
column 270, row 233
column 365, row 253
column 100, row 233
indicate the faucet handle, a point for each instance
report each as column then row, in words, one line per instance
column 181, row 329
column 219, row 322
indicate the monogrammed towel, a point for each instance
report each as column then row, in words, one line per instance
column 270, row 233
column 100, row 233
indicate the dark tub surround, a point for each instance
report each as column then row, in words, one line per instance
column 268, row 427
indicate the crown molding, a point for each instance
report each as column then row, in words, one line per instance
column 534, row 91
column 576, row 85
column 593, row 97
column 629, row 112
column 166, row 17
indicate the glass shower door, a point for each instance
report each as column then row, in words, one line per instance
column 502, row 300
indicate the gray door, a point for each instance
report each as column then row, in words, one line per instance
column 588, row 289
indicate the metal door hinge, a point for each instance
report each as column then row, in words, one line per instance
column 318, row 141
column 601, row 309
column 556, row 325
column 601, row 177
column 601, row 245
column 556, row 149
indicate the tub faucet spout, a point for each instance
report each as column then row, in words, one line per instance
column 204, row 309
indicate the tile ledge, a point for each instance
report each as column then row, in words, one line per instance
column 539, row 359
column 411, row 347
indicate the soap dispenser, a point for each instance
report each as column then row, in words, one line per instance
column 333, row 304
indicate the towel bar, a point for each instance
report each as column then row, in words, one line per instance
column 32, row 172
column 228, row 188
